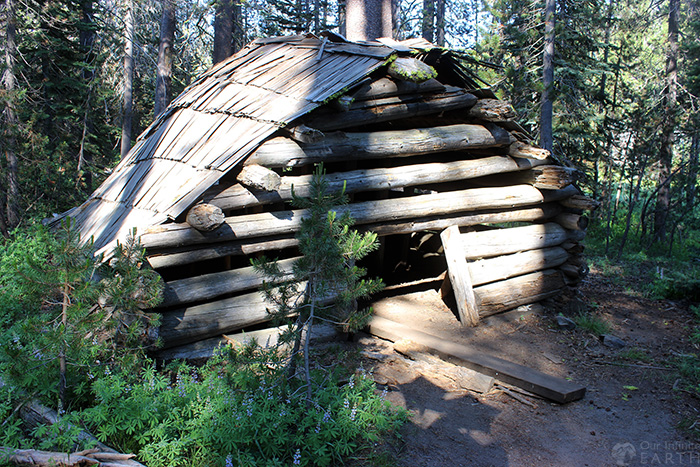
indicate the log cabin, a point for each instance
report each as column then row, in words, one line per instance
column 434, row 163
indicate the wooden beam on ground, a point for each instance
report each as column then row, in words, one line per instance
column 534, row 381
column 288, row 222
column 340, row 146
column 355, row 181
column 389, row 109
column 458, row 271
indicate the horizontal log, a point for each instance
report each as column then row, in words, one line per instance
column 492, row 110
column 383, row 112
column 571, row 221
column 288, row 222
column 504, row 267
column 341, row 146
column 527, row 151
column 582, row 202
column 530, row 288
column 209, row 286
column 238, row 196
column 386, row 87
column 489, row 243
column 189, row 255
column 547, row 177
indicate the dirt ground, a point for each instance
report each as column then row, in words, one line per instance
column 629, row 415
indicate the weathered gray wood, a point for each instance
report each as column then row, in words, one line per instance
column 340, row 146
column 261, row 178
column 205, row 217
column 527, row 151
column 427, row 105
column 209, row 286
column 498, row 242
column 238, row 196
column 304, row 134
column 520, row 290
column 288, row 222
column 431, row 366
column 458, row 271
column 571, row 221
column 411, row 69
column 504, row 267
column 188, row 255
column 582, row 202
column 536, row 382
column 547, row 177
column 439, row 222
column 492, row 110
column 386, row 87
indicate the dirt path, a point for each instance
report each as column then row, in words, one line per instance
column 628, row 416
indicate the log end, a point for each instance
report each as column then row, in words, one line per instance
column 411, row 69
column 205, row 217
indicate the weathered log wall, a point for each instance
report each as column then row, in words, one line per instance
column 465, row 169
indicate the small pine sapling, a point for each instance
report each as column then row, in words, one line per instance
column 326, row 281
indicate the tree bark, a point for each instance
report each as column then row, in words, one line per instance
column 8, row 142
column 367, row 20
column 165, row 58
column 223, row 30
column 128, row 105
column 663, row 197
column 440, row 23
column 428, row 21
column 546, row 140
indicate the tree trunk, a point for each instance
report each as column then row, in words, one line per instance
column 223, row 30
column 127, row 119
column 165, row 58
column 368, row 19
column 428, row 23
column 87, row 42
column 546, row 140
column 663, row 197
column 440, row 23
column 8, row 142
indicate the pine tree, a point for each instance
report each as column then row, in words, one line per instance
column 326, row 281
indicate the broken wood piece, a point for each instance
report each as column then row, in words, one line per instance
column 256, row 176
column 205, row 217
column 546, row 177
column 583, row 202
column 458, row 272
column 430, row 365
column 44, row 458
column 304, row 134
column 527, row 151
column 411, row 69
column 550, row 387
column 492, row 110
column 515, row 396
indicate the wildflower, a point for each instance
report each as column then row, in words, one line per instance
column 297, row 457
column 229, row 461
column 353, row 412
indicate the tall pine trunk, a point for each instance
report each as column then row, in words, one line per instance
column 428, row 24
column 663, row 196
column 164, row 71
column 128, row 103
column 87, row 44
column 10, row 216
column 368, row 19
column 440, row 23
column 223, row 30
column 546, row 139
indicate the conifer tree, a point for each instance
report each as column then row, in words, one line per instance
column 326, row 280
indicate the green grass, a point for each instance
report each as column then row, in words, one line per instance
column 634, row 354
column 592, row 324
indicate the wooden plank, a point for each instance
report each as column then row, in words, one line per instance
column 498, row 242
column 534, row 381
column 341, row 146
column 458, row 270
column 504, row 267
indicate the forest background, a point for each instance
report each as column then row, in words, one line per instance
column 81, row 78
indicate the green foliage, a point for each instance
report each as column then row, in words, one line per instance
column 233, row 411
column 592, row 323
column 678, row 282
